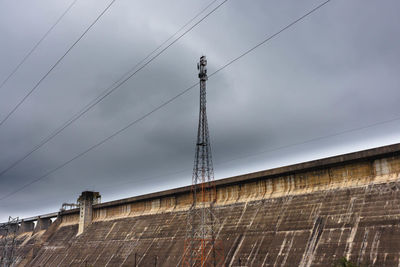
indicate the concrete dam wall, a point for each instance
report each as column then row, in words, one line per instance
column 308, row 214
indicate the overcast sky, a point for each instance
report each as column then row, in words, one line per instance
column 335, row 71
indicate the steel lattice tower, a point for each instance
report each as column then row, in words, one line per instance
column 201, row 247
column 10, row 228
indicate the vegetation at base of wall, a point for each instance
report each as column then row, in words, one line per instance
column 343, row 262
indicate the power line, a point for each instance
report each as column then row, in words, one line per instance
column 119, row 82
column 99, row 143
column 244, row 156
column 37, row 44
column 55, row 65
column 163, row 104
column 271, row 37
column 311, row 140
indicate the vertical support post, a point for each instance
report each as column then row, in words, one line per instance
column 42, row 224
column 86, row 201
column 26, row 227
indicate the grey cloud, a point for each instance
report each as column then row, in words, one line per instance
column 334, row 71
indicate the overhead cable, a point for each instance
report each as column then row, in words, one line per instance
column 244, row 156
column 124, row 78
column 164, row 103
column 37, row 44
column 55, row 64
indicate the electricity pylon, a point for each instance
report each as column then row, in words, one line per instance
column 9, row 234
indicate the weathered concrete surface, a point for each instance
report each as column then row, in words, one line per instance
column 26, row 227
column 308, row 214
column 86, row 201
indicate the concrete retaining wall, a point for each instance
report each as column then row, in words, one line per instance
column 308, row 214
column 352, row 174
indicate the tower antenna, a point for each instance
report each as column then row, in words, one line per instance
column 201, row 247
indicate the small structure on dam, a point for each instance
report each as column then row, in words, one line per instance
column 86, row 202
column 307, row 214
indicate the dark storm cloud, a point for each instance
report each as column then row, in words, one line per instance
column 336, row 70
